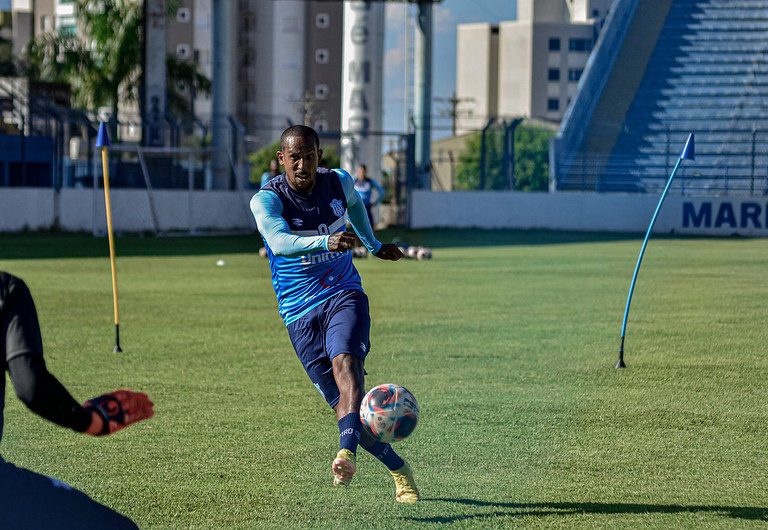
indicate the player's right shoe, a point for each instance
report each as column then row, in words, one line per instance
column 407, row 491
column 343, row 468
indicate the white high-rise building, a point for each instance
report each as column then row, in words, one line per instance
column 528, row 67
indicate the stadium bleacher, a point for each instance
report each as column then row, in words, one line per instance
column 707, row 74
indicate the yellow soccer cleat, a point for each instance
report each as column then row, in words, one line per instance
column 343, row 468
column 407, row 491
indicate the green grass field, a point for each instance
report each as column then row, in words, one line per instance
column 508, row 340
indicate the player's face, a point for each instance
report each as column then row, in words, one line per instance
column 300, row 158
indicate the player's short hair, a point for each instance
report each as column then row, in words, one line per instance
column 299, row 131
column 365, row 168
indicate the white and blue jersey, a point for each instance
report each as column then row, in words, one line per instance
column 366, row 187
column 296, row 227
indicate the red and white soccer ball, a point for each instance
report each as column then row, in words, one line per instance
column 389, row 412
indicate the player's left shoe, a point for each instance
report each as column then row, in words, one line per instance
column 407, row 492
column 343, row 468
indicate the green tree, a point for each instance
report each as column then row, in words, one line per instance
column 531, row 160
column 468, row 169
column 259, row 160
column 103, row 61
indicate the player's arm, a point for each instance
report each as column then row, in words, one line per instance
column 39, row 390
column 267, row 210
column 359, row 219
column 380, row 192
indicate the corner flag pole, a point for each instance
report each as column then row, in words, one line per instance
column 687, row 154
column 102, row 141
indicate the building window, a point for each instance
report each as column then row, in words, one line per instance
column 554, row 44
column 322, row 56
column 321, row 91
column 183, row 51
column 580, row 45
column 553, row 105
column 45, row 23
column 183, row 15
column 574, row 74
column 323, row 20
column 553, row 74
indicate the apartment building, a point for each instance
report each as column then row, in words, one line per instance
column 286, row 63
column 528, row 67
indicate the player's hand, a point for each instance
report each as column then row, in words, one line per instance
column 116, row 410
column 341, row 241
column 389, row 252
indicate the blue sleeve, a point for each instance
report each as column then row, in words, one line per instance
column 267, row 210
column 357, row 214
column 380, row 192
column 265, row 179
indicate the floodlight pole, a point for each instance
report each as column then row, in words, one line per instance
column 423, row 94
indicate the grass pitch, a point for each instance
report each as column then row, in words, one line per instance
column 507, row 339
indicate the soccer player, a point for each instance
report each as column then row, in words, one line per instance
column 365, row 186
column 27, row 499
column 301, row 215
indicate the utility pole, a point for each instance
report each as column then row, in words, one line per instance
column 453, row 112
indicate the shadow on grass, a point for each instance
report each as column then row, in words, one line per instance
column 68, row 245
column 47, row 245
column 543, row 509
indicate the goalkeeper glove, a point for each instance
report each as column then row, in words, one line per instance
column 117, row 410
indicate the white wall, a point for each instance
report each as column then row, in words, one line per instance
column 83, row 210
column 614, row 212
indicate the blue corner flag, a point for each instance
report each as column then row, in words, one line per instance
column 688, row 151
column 102, row 139
column 686, row 154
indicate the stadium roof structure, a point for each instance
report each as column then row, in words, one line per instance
column 659, row 71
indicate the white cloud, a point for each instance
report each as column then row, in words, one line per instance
column 444, row 20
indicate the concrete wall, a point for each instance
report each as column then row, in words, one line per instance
column 83, row 210
column 614, row 212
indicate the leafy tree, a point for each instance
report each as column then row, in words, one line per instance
column 259, row 161
column 531, row 160
column 103, row 61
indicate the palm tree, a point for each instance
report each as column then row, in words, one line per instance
column 103, row 61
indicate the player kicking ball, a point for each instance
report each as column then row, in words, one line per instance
column 302, row 216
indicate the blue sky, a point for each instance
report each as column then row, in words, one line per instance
column 447, row 15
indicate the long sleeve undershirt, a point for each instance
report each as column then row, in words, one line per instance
column 267, row 210
column 44, row 395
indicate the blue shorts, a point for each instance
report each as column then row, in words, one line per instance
column 339, row 325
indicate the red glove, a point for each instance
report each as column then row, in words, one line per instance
column 116, row 410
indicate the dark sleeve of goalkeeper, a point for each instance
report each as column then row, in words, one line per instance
column 28, row 499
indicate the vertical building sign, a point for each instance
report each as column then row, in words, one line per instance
column 154, row 72
column 361, row 112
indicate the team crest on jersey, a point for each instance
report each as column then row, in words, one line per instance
column 338, row 207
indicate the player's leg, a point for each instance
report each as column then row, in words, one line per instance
column 347, row 328
column 348, row 374
column 405, row 484
column 29, row 500
column 308, row 338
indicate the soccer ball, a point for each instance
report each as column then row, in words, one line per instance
column 389, row 412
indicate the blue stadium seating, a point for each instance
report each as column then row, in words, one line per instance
column 708, row 74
